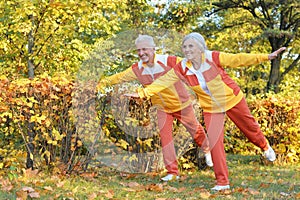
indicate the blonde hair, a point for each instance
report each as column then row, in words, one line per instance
column 198, row 38
column 142, row 38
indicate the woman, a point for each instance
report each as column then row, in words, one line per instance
column 218, row 96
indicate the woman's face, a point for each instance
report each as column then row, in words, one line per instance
column 191, row 50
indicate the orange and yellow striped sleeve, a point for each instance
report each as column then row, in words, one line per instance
column 158, row 85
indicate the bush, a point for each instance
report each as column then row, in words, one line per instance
column 279, row 118
column 35, row 118
column 53, row 120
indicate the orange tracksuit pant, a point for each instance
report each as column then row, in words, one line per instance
column 243, row 119
column 165, row 123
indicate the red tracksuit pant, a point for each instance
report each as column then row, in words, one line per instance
column 243, row 119
column 165, row 123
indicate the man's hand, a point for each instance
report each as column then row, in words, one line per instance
column 134, row 96
column 275, row 53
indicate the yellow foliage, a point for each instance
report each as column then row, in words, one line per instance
column 133, row 158
column 122, row 143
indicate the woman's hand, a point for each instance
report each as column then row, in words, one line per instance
column 275, row 53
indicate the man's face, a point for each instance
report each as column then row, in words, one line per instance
column 145, row 52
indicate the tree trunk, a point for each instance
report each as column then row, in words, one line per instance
column 30, row 63
column 30, row 133
column 30, row 150
column 275, row 76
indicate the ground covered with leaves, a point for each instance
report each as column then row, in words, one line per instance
column 250, row 179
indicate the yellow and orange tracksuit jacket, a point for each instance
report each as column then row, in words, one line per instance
column 215, row 90
column 171, row 99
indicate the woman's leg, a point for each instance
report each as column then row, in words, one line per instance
column 215, row 129
column 244, row 120
column 165, row 123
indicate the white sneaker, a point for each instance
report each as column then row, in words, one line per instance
column 208, row 159
column 220, row 187
column 270, row 154
column 170, row 177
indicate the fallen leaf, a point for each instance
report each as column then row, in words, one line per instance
column 49, row 188
column 60, row 184
column 6, row 185
column 127, row 175
column 213, row 196
column 291, row 188
column 101, row 192
column 109, row 194
column 201, row 189
column 173, row 189
column 264, row 185
column 226, row 192
column 30, row 172
column 243, row 184
column 241, row 190
column 205, row 195
column 183, row 178
column 92, row 196
column 253, row 192
column 182, row 189
column 88, row 174
column 74, row 190
column 284, row 194
column 28, row 189
column 152, row 174
column 155, row 187
column 21, row 195
column 34, row 195
column 279, row 181
column 133, row 184
column 129, row 189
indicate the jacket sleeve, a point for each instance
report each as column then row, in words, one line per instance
column 158, row 85
column 124, row 76
column 241, row 59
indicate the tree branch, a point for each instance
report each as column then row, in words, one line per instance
column 292, row 66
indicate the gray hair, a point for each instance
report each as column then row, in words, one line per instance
column 199, row 39
column 148, row 38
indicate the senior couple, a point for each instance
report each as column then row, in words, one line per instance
column 163, row 78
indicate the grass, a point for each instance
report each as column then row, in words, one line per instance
column 250, row 179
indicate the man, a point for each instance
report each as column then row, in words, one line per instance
column 172, row 102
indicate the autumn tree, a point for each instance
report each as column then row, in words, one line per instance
column 52, row 36
column 278, row 22
column 179, row 15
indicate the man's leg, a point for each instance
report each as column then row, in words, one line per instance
column 215, row 129
column 190, row 122
column 165, row 123
column 188, row 119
